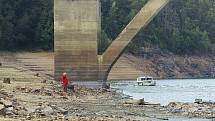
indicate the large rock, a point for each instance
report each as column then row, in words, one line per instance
column 9, row 111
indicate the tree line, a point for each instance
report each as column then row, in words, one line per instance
column 26, row 25
column 182, row 27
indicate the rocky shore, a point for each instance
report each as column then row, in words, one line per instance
column 49, row 103
column 29, row 94
column 197, row 109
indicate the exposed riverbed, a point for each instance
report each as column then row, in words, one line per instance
column 33, row 98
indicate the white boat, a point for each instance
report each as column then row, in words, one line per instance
column 145, row 81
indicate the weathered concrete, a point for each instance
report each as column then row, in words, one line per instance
column 77, row 34
column 141, row 20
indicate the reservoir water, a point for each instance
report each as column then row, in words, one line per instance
column 165, row 91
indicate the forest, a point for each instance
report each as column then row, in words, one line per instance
column 26, row 25
column 182, row 27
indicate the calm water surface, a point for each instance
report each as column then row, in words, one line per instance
column 186, row 90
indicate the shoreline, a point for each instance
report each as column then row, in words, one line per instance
column 167, row 91
column 30, row 97
column 84, row 104
column 89, row 104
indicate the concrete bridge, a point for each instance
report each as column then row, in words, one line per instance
column 77, row 28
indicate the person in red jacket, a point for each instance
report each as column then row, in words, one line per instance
column 65, row 81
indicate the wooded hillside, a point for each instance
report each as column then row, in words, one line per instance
column 183, row 27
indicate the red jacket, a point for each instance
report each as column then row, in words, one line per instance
column 65, row 81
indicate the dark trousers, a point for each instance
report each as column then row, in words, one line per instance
column 65, row 88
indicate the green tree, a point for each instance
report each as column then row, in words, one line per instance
column 44, row 33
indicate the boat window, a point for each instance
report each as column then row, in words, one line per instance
column 142, row 79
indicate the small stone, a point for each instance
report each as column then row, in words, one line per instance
column 36, row 91
column 44, row 81
column 180, row 110
column 135, row 102
column 65, row 97
column 9, row 108
column 141, row 101
column 22, row 113
column 39, row 109
column 28, row 117
column 3, row 94
column 49, row 93
column 40, row 104
column 53, row 106
column 6, row 103
column 61, row 117
column 48, row 110
column 37, row 74
column 22, row 88
column 1, row 107
column 7, row 80
column 28, row 90
column 62, row 111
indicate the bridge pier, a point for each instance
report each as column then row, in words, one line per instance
column 77, row 31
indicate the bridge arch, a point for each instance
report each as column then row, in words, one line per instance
column 77, row 33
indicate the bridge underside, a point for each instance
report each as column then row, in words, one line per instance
column 77, row 32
